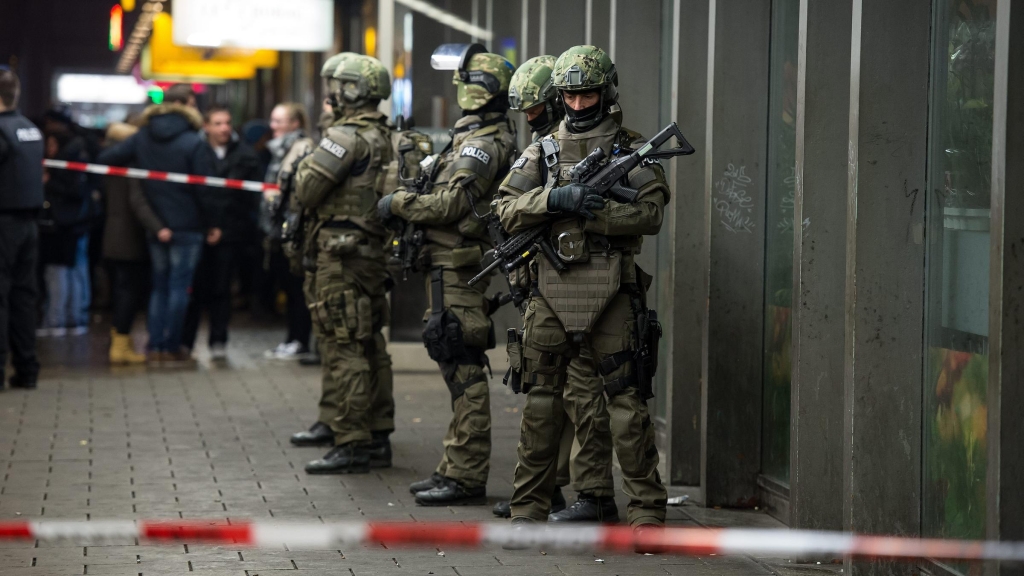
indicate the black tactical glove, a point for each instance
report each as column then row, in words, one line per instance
column 384, row 210
column 576, row 198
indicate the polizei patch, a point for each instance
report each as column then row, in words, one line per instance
column 519, row 163
column 333, row 147
column 28, row 134
column 474, row 152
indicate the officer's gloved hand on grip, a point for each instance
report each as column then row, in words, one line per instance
column 384, row 210
column 576, row 198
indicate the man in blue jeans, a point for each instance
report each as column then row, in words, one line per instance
column 169, row 141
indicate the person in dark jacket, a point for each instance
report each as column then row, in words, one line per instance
column 169, row 141
column 212, row 288
column 63, row 240
column 128, row 217
column 21, row 199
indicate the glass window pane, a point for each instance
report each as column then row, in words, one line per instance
column 779, row 239
column 956, row 371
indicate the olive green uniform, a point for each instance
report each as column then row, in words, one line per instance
column 339, row 185
column 465, row 176
column 581, row 318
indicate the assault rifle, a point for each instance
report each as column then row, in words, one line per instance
column 607, row 177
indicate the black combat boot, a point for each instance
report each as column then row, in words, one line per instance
column 345, row 459
column 319, row 434
column 450, row 493
column 433, row 482
column 588, row 509
column 380, row 450
column 647, row 539
column 519, row 525
column 503, row 509
column 26, row 382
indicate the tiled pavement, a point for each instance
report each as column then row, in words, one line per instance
column 98, row 443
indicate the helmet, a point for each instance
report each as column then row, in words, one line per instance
column 531, row 86
column 488, row 78
column 586, row 69
column 360, row 80
column 327, row 70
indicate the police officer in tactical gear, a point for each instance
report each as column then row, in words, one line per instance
column 320, row 433
column 21, row 199
column 462, row 181
column 532, row 92
column 580, row 327
column 339, row 185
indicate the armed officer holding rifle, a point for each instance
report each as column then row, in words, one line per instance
column 587, row 326
column 444, row 234
column 533, row 93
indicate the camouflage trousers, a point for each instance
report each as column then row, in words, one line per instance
column 348, row 305
column 467, row 443
column 555, row 365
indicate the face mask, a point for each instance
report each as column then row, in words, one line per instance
column 541, row 121
column 583, row 120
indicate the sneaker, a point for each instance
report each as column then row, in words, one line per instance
column 218, row 351
column 286, row 351
column 44, row 332
column 78, row 331
column 59, row 332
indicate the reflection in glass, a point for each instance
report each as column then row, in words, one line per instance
column 956, row 372
column 779, row 231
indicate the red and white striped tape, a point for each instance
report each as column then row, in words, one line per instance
column 162, row 176
column 684, row 541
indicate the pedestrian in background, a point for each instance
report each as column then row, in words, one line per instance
column 63, row 240
column 169, row 141
column 211, row 290
column 128, row 217
column 289, row 123
column 21, row 199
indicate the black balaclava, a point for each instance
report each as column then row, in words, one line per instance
column 582, row 120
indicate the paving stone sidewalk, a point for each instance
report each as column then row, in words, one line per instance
column 99, row 443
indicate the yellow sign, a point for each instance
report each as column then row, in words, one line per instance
column 166, row 59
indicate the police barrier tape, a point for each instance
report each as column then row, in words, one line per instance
column 162, row 176
column 670, row 540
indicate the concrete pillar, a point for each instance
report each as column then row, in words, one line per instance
column 684, row 285
column 888, row 128
column 734, row 187
column 1005, row 502
column 819, row 264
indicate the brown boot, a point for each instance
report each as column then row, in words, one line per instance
column 121, row 351
column 180, row 359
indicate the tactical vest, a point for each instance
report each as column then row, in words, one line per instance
column 469, row 228
column 409, row 148
column 597, row 265
column 21, row 174
column 356, row 198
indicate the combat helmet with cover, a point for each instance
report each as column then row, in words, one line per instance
column 481, row 76
column 586, row 69
column 531, row 85
column 359, row 81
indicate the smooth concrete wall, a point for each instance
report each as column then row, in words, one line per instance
column 819, row 264
column 885, row 271
column 736, row 154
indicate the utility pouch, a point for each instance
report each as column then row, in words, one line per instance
column 469, row 257
column 442, row 335
column 364, row 318
column 513, row 378
column 339, row 243
column 570, row 242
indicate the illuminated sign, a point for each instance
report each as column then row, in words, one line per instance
column 164, row 59
column 116, row 19
column 101, row 89
column 293, row 25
